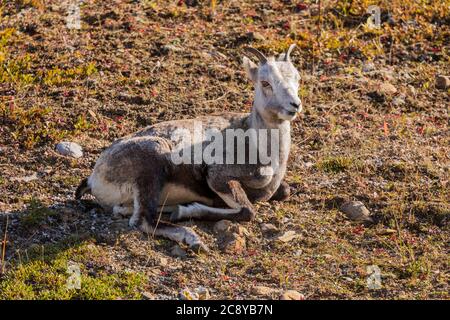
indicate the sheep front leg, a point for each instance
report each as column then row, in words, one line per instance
column 232, row 193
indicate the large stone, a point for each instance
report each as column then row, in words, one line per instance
column 70, row 149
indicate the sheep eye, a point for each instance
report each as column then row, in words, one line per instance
column 265, row 84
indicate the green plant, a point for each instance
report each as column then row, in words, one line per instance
column 36, row 214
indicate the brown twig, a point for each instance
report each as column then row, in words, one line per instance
column 159, row 217
column 4, row 245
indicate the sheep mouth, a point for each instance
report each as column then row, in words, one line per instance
column 287, row 115
column 291, row 113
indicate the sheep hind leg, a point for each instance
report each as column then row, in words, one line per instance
column 146, row 215
column 175, row 233
column 232, row 194
column 197, row 210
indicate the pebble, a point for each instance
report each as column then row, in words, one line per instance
column 368, row 67
column 398, row 101
column 442, row 82
column 292, row 295
column 171, row 48
column 287, row 236
column 256, row 36
column 268, row 228
column 263, row 291
column 178, row 252
column 70, row 149
column 148, row 296
column 222, row 226
column 187, row 294
column 233, row 244
column 200, row 293
column 387, row 88
column 163, row 262
column 356, row 211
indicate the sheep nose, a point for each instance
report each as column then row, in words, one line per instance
column 296, row 105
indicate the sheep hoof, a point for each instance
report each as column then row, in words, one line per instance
column 133, row 222
column 176, row 214
column 199, row 247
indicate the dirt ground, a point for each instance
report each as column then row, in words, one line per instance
column 374, row 129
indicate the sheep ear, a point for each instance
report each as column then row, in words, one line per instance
column 250, row 68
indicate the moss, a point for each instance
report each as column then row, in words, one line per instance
column 38, row 125
column 19, row 69
column 36, row 214
column 38, row 4
column 45, row 276
column 59, row 76
column 335, row 164
column 31, row 127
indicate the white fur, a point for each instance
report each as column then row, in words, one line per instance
column 178, row 194
column 109, row 194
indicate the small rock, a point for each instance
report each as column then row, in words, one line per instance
column 163, row 262
column 387, row 89
column 412, row 90
column 178, row 252
column 308, row 164
column 368, row 67
column 203, row 293
column 148, row 296
column 287, row 236
column 263, row 291
column 240, row 230
column 398, row 101
column 292, row 295
column 187, row 294
column 171, row 48
column 442, row 82
column 356, row 211
column 233, row 243
column 70, row 149
column 222, row 226
column 348, row 279
column 268, row 228
column 255, row 36
column 200, row 293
